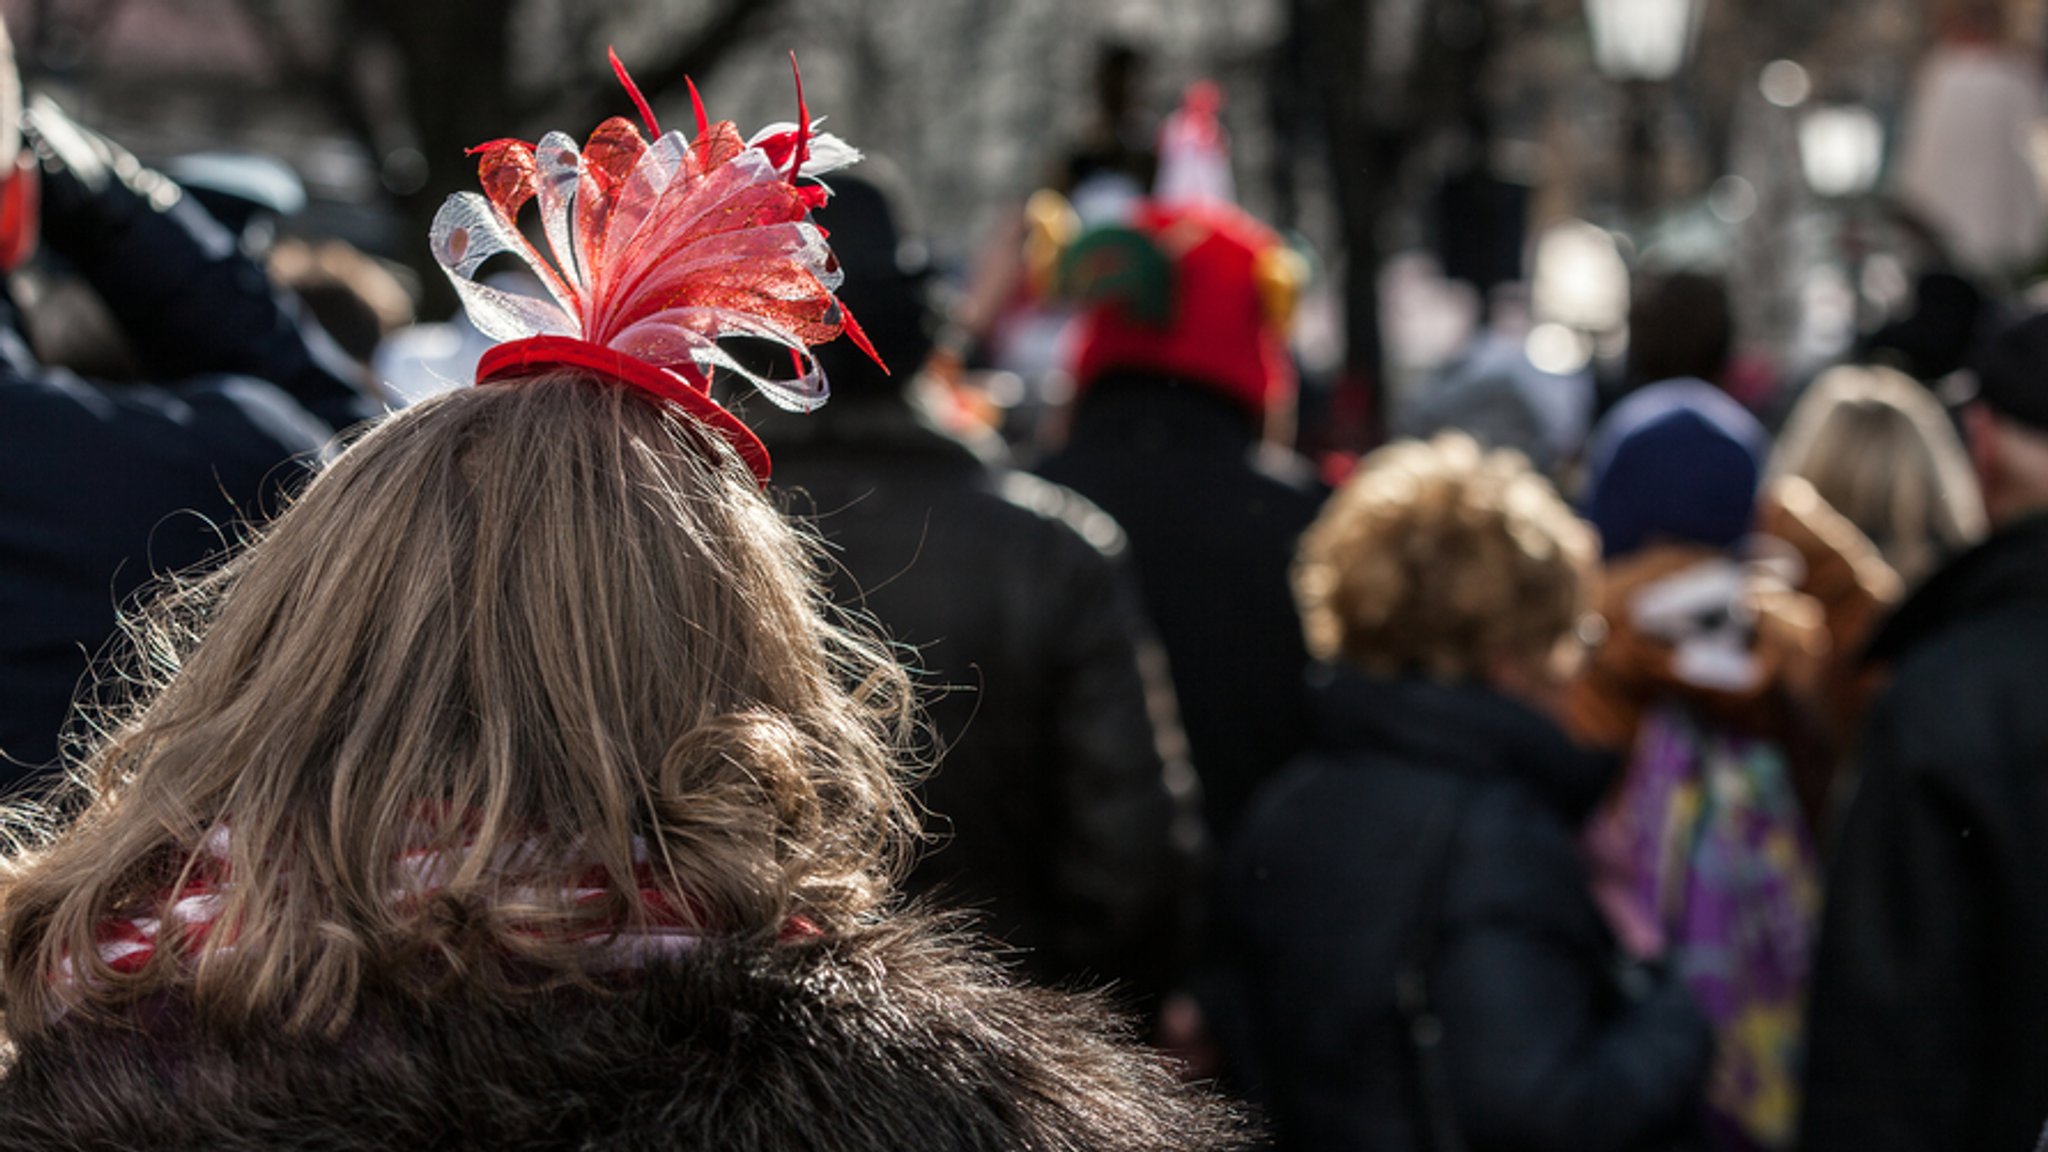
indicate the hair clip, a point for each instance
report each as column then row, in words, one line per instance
column 661, row 249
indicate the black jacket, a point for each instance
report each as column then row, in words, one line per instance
column 1213, row 531
column 1451, row 806
column 103, row 486
column 889, row 1041
column 1059, row 814
column 1929, row 1003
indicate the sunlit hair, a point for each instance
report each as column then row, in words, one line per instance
column 525, row 623
column 1880, row 450
column 1437, row 558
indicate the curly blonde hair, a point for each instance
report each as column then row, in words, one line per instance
column 1436, row 558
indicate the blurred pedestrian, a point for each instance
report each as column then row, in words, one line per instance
column 1066, row 808
column 1410, row 955
column 563, row 814
column 1927, row 1008
column 1711, row 683
column 1493, row 393
column 108, row 485
column 1880, row 450
column 1681, row 333
column 1966, row 145
column 1182, row 367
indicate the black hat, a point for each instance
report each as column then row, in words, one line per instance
column 886, row 282
column 2012, row 371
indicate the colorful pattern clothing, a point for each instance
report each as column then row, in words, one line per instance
column 1706, row 853
column 187, row 915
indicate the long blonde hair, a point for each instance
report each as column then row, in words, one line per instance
column 525, row 624
column 1880, row 450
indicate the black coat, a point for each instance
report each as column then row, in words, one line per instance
column 889, row 1041
column 103, row 486
column 1452, row 806
column 1928, row 1018
column 1213, row 531
column 1059, row 814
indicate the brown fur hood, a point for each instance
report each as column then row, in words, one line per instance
column 893, row 1038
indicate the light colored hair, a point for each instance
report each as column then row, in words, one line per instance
column 1880, row 450
column 523, row 624
column 1436, row 558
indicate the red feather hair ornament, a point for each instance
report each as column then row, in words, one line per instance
column 661, row 248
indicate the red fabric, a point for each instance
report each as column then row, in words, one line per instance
column 681, row 385
column 127, row 944
column 1219, row 335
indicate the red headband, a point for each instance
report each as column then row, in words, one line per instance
column 685, row 388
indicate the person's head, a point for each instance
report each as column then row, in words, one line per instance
column 538, row 629
column 1879, row 449
column 354, row 298
column 887, row 272
column 2006, row 423
column 1679, row 326
column 1199, row 293
column 1440, row 559
column 1971, row 21
column 1678, row 468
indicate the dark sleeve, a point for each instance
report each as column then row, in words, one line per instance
column 1544, row 1050
column 1892, row 1023
column 1127, row 820
column 190, row 303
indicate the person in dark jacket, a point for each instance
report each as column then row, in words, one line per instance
column 1181, row 365
column 518, row 788
column 1066, row 808
column 1409, row 956
column 1928, row 1006
column 104, row 486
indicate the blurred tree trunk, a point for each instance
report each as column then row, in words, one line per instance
column 1376, row 128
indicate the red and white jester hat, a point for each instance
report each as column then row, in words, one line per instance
column 661, row 249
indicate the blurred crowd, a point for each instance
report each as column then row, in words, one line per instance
column 1635, row 758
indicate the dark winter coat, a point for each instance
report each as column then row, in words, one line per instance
column 1213, row 529
column 1454, row 807
column 1929, row 1003
column 891, row 1040
column 103, row 486
column 1060, row 816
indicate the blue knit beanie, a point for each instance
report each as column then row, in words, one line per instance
column 1679, row 461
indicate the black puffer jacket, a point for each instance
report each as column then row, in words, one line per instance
column 1063, row 818
column 1213, row 529
column 891, row 1040
column 1454, row 806
column 103, row 486
column 1928, row 1007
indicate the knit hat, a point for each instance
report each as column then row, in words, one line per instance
column 1678, row 461
column 2012, row 371
column 1198, row 291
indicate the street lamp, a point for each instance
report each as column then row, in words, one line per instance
column 1642, row 39
column 1841, row 153
column 1841, row 150
column 1640, row 43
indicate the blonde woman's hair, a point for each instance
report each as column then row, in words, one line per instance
column 1437, row 558
column 524, row 625
column 1880, row 450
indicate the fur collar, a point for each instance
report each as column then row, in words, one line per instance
column 892, row 1038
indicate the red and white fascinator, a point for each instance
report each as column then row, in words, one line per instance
column 661, row 249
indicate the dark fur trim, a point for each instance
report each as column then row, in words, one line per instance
column 895, row 1038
